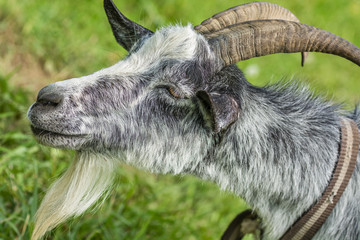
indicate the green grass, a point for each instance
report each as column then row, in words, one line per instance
column 45, row 41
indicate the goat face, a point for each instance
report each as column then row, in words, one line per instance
column 151, row 101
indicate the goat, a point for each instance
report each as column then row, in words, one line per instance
column 177, row 104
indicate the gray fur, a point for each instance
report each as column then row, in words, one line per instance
column 279, row 155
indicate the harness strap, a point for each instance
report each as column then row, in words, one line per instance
column 246, row 222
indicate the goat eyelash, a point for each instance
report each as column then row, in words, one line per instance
column 173, row 92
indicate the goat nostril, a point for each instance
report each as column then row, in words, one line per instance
column 49, row 99
column 49, row 96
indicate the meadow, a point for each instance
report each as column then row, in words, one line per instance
column 46, row 41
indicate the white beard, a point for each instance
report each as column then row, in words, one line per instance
column 88, row 178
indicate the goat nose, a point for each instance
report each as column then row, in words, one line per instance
column 49, row 97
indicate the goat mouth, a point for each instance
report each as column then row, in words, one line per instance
column 58, row 140
column 40, row 131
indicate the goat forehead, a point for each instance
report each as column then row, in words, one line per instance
column 174, row 42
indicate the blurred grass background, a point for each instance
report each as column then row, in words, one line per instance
column 46, row 41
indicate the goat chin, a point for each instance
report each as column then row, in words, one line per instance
column 87, row 180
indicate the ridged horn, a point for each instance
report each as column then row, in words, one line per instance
column 263, row 37
column 126, row 32
column 247, row 12
column 244, row 13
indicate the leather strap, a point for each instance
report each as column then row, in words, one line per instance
column 307, row 226
column 246, row 222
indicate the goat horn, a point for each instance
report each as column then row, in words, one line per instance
column 263, row 37
column 126, row 32
column 244, row 13
column 247, row 12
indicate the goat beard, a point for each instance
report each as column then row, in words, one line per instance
column 86, row 181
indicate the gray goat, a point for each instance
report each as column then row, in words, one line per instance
column 177, row 104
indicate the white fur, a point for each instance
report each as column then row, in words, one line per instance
column 86, row 180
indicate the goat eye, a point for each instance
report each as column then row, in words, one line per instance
column 174, row 93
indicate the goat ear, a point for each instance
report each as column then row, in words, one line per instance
column 222, row 109
column 126, row 32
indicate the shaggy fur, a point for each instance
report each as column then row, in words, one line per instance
column 86, row 180
column 279, row 155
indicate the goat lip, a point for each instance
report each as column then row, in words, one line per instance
column 40, row 131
